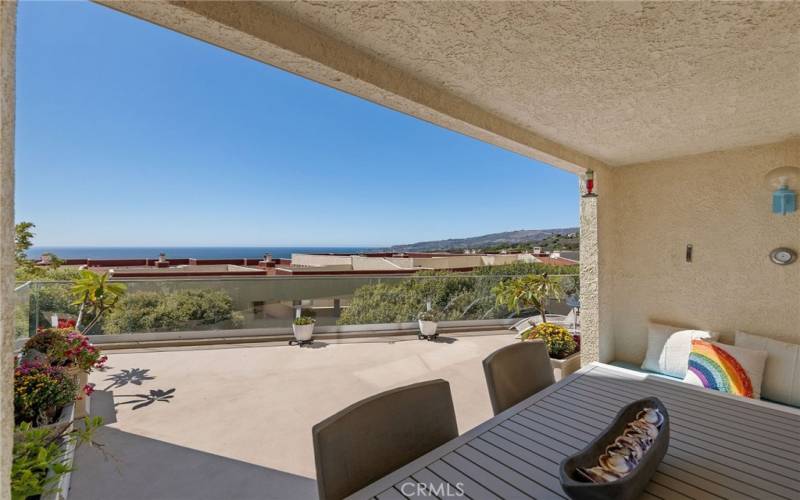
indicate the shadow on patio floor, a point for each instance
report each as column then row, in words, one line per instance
column 147, row 468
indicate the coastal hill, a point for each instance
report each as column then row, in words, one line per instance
column 546, row 238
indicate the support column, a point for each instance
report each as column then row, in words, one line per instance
column 597, row 342
column 590, row 299
column 337, row 307
column 8, row 29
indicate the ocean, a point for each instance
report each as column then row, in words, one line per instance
column 184, row 252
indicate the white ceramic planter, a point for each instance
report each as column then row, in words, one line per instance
column 67, row 416
column 81, row 398
column 303, row 333
column 428, row 328
column 566, row 366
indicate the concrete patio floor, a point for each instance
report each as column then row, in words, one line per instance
column 235, row 421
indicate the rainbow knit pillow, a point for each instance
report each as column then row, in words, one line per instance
column 726, row 368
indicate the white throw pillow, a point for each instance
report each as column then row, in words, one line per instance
column 726, row 368
column 668, row 348
column 782, row 372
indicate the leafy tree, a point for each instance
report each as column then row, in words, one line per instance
column 27, row 270
column 23, row 241
column 173, row 311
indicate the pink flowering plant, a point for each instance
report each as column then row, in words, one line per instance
column 67, row 348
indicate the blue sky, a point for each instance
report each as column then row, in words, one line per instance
column 130, row 134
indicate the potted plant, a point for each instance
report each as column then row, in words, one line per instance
column 96, row 295
column 43, row 456
column 303, row 326
column 41, row 392
column 534, row 290
column 428, row 323
column 70, row 350
column 45, row 436
column 564, row 352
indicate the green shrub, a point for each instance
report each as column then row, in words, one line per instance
column 428, row 316
column 172, row 311
column 455, row 295
column 304, row 320
column 62, row 273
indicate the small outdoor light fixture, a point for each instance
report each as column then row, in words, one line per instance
column 589, row 177
column 783, row 180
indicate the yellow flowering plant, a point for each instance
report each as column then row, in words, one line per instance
column 559, row 341
column 40, row 391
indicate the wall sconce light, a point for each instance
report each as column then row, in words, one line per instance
column 783, row 180
column 589, row 179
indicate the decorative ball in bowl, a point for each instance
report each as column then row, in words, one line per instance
column 620, row 462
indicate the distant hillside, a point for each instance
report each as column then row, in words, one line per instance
column 489, row 241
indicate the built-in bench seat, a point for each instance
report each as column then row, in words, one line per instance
column 637, row 368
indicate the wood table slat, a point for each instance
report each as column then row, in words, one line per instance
column 454, row 476
column 683, row 488
column 664, row 492
column 720, row 447
column 436, row 485
column 699, row 482
column 390, row 494
column 411, row 485
column 507, row 473
column 488, row 480
column 529, row 465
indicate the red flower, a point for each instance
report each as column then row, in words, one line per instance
column 66, row 323
column 88, row 389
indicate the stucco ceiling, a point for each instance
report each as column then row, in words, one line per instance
column 622, row 82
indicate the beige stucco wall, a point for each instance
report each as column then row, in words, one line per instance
column 8, row 13
column 306, row 259
column 499, row 260
column 455, row 261
column 717, row 202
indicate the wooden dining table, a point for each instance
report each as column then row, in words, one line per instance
column 721, row 446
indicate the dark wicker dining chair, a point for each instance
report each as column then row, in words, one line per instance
column 377, row 435
column 516, row 372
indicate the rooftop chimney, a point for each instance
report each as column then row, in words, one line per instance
column 162, row 260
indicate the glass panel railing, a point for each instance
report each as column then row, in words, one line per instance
column 176, row 305
column 22, row 304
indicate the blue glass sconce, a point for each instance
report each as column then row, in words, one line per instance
column 783, row 180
